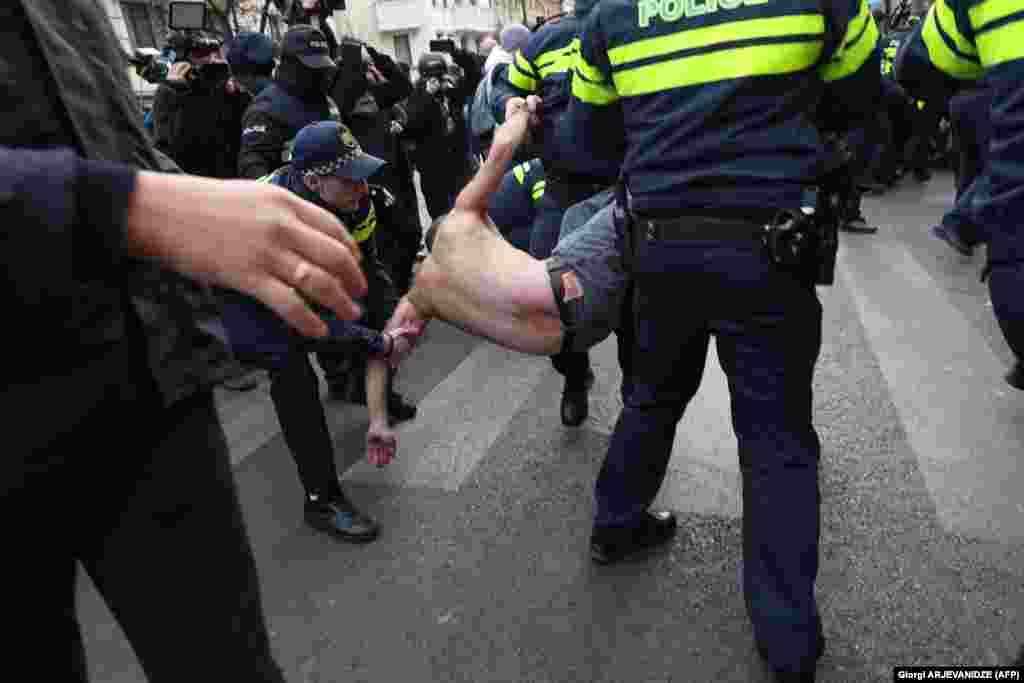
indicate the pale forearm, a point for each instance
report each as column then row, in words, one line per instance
column 377, row 390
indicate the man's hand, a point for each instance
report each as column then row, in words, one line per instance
column 432, row 85
column 179, row 72
column 520, row 115
column 401, row 341
column 381, row 443
column 252, row 237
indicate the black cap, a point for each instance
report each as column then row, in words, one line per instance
column 251, row 50
column 309, row 46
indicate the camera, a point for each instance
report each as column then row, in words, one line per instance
column 445, row 45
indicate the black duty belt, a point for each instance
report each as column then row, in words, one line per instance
column 701, row 228
column 569, row 190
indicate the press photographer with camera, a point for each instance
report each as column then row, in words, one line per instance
column 437, row 126
column 198, row 109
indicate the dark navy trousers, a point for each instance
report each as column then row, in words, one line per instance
column 573, row 365
column 767, row 326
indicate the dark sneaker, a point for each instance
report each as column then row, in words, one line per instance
column 399, row 409
column 613, row 544
column 858, row 225
column 950, row 237
column 246, row 379
column 336, row 515
column 1015, row 378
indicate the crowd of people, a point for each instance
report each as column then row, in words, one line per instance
column 577, row 176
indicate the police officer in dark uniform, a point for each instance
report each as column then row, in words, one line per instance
column 543, row 67
column 715, row 100
column 251, row 56
column 513, row 208
column 297, row 97
column 963, row 41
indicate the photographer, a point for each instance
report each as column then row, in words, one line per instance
column 437, row 128
column 376, row 126
column 198, row 109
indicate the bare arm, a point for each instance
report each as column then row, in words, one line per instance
column 476, row 280
column 381, row 442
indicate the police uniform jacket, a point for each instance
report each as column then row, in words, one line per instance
column 714, row 98
column 270, row 124
column 961, row 41
column 543, row 67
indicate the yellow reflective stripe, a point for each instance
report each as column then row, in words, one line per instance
column 265, row 179
column 366, row 226
column 941, row 55
column 520, row 172
column 521, row 74
column 944, row 15
column 598, row 94
column 851, row 55
column 557, row 61
column 538, row 189
column 771, row 27
column 991, row 10
column 1002, row 44
column 721, row 65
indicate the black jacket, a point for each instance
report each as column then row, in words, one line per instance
column 270, row 124
column 72, row 290
column 200, row 130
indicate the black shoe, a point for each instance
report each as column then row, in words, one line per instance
column 613, row 544
column 874, row 186
column 1015, row 378
column 950, row 237
column 858, row 225
column 399, row 409
column 922, row 175
column 337, row 516
column 802, row 676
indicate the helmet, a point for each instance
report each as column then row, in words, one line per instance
column 183, row 42
column 432, row 65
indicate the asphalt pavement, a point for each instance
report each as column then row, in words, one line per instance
column 482, row 571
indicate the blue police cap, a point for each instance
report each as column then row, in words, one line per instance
column 308, row 45
column 328, row 148
column 251, row 49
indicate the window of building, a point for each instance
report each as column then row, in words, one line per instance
column 403, row 48
column 139, row 18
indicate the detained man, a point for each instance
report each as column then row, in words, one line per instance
column 474, row 279
column 572, row 300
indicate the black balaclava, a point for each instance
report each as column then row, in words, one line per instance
column 300, row 80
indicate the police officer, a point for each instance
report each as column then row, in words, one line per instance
column 251, row 56
column 962, row 41
column 713, row 100
column 542, row 68
column 297, row 97
column 513, row 208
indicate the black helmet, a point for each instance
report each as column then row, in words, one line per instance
column 432, row 65
column 183, row 42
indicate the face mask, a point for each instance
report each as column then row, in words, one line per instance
column 213, row 75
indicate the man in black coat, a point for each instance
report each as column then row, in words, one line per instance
column 123, row 467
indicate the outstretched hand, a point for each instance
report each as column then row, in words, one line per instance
column 251, row 237
column 381, row 444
